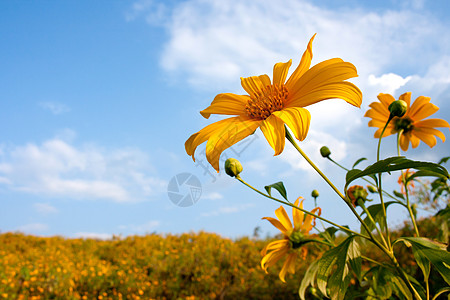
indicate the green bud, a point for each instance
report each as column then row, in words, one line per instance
column 398, row 108
column 315, row 193
column 372, row 189
column 325, row 152
column 233, row 167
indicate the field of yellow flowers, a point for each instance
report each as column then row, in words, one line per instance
column 187, row 266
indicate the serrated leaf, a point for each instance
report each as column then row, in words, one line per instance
column 358, row 161
column 426, row 250
column 395, row 164
column 308, row 279
column 279, row 186
column 338, row 280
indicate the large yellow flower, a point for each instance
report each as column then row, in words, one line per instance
column 271, row 104
column 294, row 238
column 413, row 126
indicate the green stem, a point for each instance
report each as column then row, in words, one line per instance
column 291, row 139
column 361, row 204
column 301, row 209
column 380, row 186
column 368, row 181
column 408, row 204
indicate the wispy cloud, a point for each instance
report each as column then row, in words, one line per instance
column 212, row 44
column 93, row 235
column 33, row 228
column 228, row 210
column 55, row 108
column 45, row 208
column 57, row 168
column 141, row 228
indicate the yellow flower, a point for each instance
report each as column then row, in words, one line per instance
column 294, row 238
column 410, row 184
column 271, row 104
column 414, row 127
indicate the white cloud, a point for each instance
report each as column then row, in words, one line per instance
column 388, row 83
column 45, row 208
column 228, row 210
column 55, row 108
column 33, row 228
column 142, row 228
column 212, row 196
column 213, row 43
column 312, row 145
column 93, row 235
column 58, row 169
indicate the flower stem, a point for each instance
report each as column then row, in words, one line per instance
column 291, row 139
column 408, row 204
column 301, row 209
column 379, row 185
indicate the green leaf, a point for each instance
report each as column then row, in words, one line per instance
column 340, row 257
column 426, row 250
column 398, row 194
column 423, row 173
column 279, row 186
column 444, row 160
column 376, row 211
column 308, row 279
column 394, row 164
column 358, row 161
column 329, row 234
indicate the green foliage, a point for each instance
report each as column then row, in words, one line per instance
column 395, row 164
column 331, row 271
column 279, row 186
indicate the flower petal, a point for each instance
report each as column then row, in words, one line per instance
column 344, row 90
column 386, row 100
column 431, row 131
column 255, row 84
column 432, row 123
column 304, row 64
column 297, row 119
column 276, row 245
column 404, row 141
column 271, row 258
column 226, row 104
column 288, row 265
column 297, row 215
column 280, row 71
column 426, row 137
column 276, row 223
column 283, row 217
column 406, row 97
column 421, row 108
column 203, row 135
column 327, row 72
column 227, row 135
column 273, row 130
column 310, row 221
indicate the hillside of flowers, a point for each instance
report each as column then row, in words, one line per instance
column 187, row 266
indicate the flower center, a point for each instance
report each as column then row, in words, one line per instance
column 296, row 239
column 264, row 103
column 405, row 124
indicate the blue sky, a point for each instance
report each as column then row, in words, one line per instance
column 98, row 97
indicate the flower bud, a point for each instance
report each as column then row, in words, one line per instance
column 414, row 209
column 315, row 194
column 233, row 167
column 398, row 108
column 372, row 189
column 325, row 152
column 356, row 193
